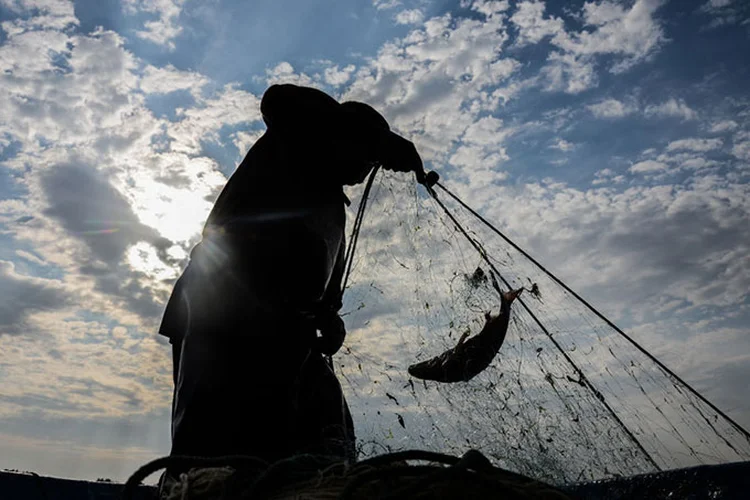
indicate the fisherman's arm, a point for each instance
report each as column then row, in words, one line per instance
column 330, row 324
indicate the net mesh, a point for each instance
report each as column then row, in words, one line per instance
column 567, row 398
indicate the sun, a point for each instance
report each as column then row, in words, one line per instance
column 176, row 209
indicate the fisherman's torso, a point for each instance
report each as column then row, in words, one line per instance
column 273, row 236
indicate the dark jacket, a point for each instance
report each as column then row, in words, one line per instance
column 279, row 221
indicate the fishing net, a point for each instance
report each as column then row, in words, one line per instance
column 568, row 397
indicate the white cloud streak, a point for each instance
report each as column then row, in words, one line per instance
column 671, row 108
column 611, row 108
column 165, row 28
column 411, row 16
column 695, row 144
column 648, row 166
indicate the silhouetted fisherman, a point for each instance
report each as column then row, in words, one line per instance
column 249, row 373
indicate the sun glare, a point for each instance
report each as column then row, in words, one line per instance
column 143, row 257
column 177, row 213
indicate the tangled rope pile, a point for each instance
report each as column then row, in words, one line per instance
column 389, row 476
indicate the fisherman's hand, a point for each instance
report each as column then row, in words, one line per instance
column 333, row 333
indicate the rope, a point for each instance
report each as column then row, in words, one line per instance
column 349, row 256
column 737, row 426
column 185, row 462
column 470, row 470
column 580, row 373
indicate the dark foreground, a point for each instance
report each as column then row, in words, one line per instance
column 727, row 481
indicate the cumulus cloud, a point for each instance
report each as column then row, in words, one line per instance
column 284, row 72
column 336, row 77
column 695, row 144
column 385, row 4
column 482, row 152
column 24, row 295
column 433, row 83
column 675, row 108
column 631, row 35
column 563, row 145
column 82, row 125
column 532, row 25
column 411, row 16
column 165, row 28
column 682, row 241
column 723, row 126
column 569, row 73
column 170, row 79
column 741, row 146
column 607, row 176
column 648, row 166
column 103, row 219
column 39, row 14
column 611, row 108
column 201, row 123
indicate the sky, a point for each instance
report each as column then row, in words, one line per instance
column 610, row 139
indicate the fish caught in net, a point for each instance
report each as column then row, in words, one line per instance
column 469, row 358
column 567, row 397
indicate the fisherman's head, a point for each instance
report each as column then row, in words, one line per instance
column 350, row 136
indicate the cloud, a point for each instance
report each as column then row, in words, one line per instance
column 433, row 83
column 385, row 4
column 724, row 12
column 723, row 126
column 30, row 257
column 611, row 108
column 671, row 108
column 411, row 16
column 103, row 375
column 165, row 28
column 680, row 241
column 694, row 144
column 101, row 227
column 569, row 73
column 629, row 35
column 648, row 166
column 81, row 123
column 25, row 295
column 489, row 7
column 532, row 26
column 48, row 105
column 39, row 14
column 741, row 146
column 284, row 72
column 607, row 176
column 103, row 219
column 230, row 106
column 563, row 145
column 336, row 77
column 170, row 79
